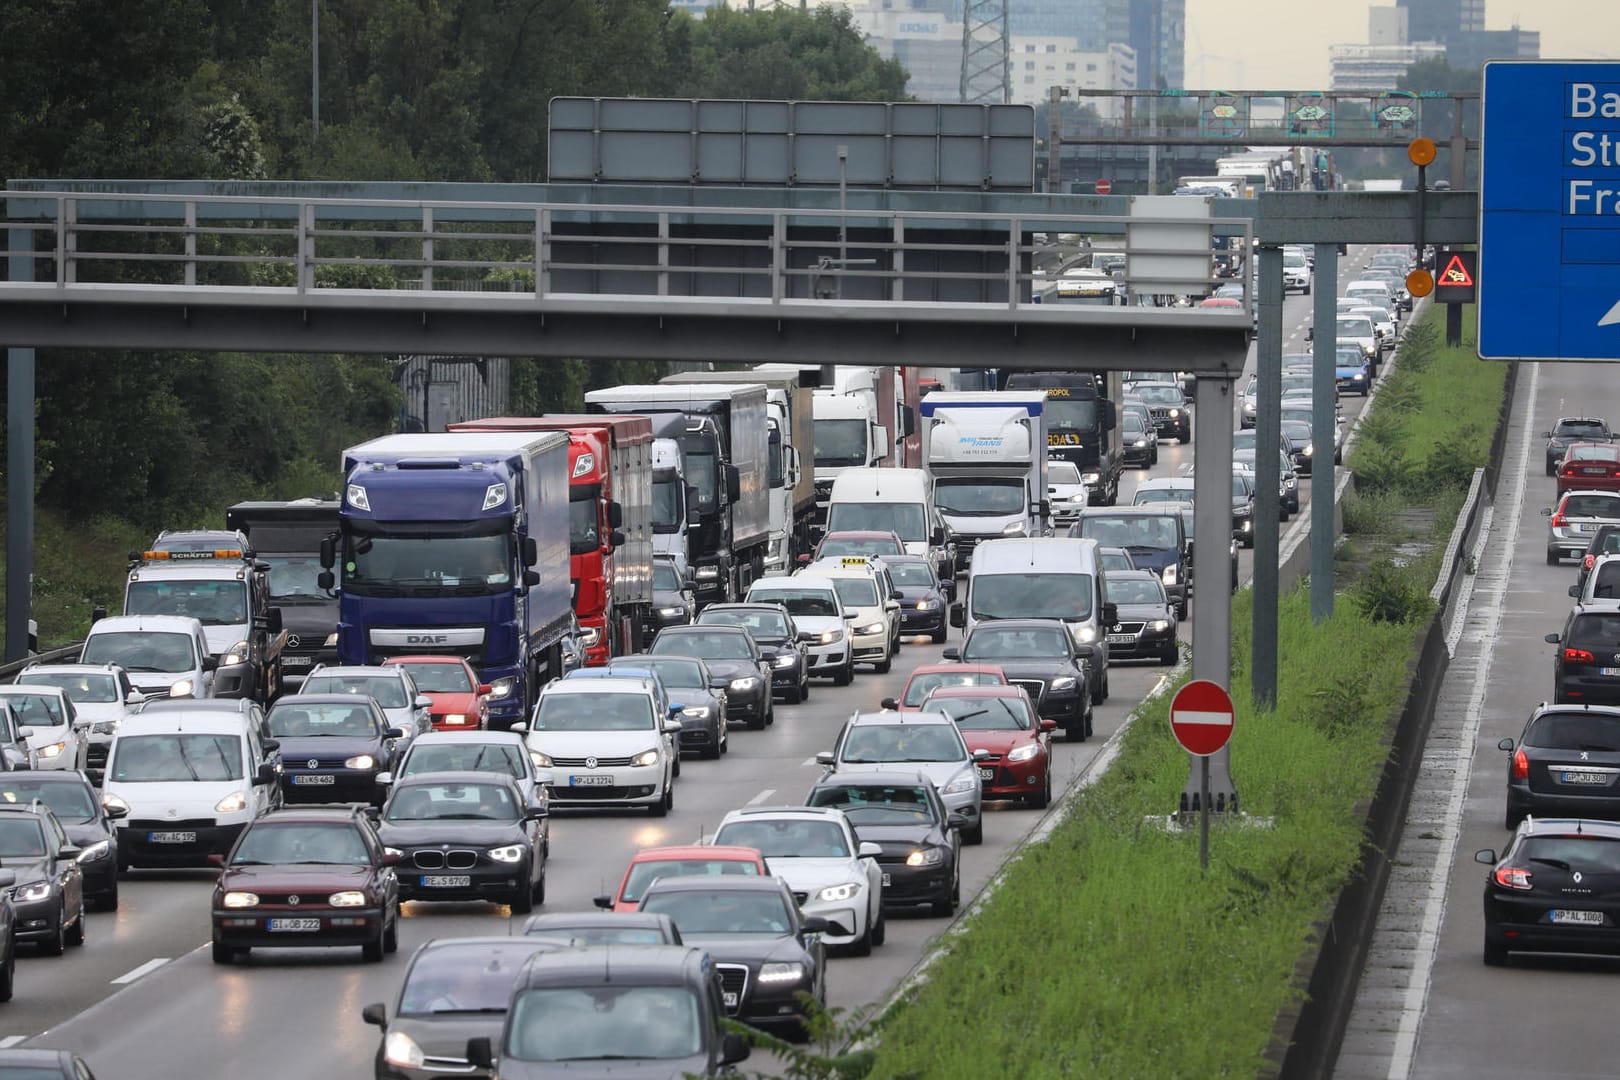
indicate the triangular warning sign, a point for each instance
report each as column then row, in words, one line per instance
column 1456, row 274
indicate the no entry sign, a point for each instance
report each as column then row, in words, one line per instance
column 1201, row 717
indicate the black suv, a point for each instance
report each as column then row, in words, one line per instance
column 773, row 628
column 1040, row 656
column 49, row 894
column 1586, row 665
column 88, row 824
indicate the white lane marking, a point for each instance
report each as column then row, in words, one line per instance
column 1493, row 593
column 762, row 796
column 11, row 1040
column 145, row 969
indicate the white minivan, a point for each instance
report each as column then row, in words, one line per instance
column 900, row 501
column 165, row 655
column 190, row 776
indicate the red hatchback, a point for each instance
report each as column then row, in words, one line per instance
column 1001, row 721
column 926, row 677
column 679, row 860
column 1590, row 467
column 460, row 701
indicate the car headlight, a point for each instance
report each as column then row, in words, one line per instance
column 830, row 637
column 781, row 973
column 670, row 612
column 1063, row 682
column 1160, row 625
column 53, row 750
column 697, row 712
column 927, row 605
column 785, row 660
column 511, row 853
column 502, row 688
column 231, row 803
column 92, row 852
column 34, row 890
column 1250, row 406
column 1174, row 413
column 1310, row 448
column 1139, row 443
column 645, row 758
column 846, row 891
column 744, row 684
column 113, row 802
column 347, row 898
column 1013, row 529
column 400, row 1049
column 1168, row 575
column 1023, row 753
column 331, row 640
column 706, row 572
column 183, row 688
column 1085, row 634
column 541, row 761
column 360, row 761
column 1090, row 477
column 241, row 899
column 964, row 781
column 871, row 628
column 236, row 654
column 926, row 857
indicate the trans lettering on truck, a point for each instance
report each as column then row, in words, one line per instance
column 980, row 442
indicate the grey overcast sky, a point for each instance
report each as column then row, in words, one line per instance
column 1283, row 44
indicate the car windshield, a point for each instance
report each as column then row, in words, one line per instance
column 869, row 804
column 1135, row 591
column 1132, row 532
column 36, row 710
column 1145, row 495
column 426, row 757
column 665, row 579
column 68, row 801
column 1587, row 853
column 1160, row 395
column 1131, row 424
column 873, row 744
column 212, row 603
column 922, row 682
column 911, row 573
column 141, row 650
column 1575, row 731
column 991, row 642
column 706, row 646
column 769, row 625
column 471, row 978
column 722, row 911
column 799, row 602
column 675, row 671
column 1062, row 472
column 905, row 520
column 388, row 691
column 783, row 838
column 606, row 710
column 88, row 689
column 856, row 592
column 147, row 759
column 1581, row 429
column 1591, row 506
column 1031, row 596
column 293, row 719
column 301, row 842
column 21, row 837
column 838, row 545
column 643, row 874
column 1355, row 326
column 610, row 1020
column 982, row 713
column 427, row 801
column 986, row 497
column 440, row 678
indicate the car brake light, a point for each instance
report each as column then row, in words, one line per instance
column 1521, row 765
column 1588, row 561
column 1558, row 518
column 1578, row 656
column 1511, row 877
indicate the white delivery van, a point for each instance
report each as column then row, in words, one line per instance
column 1044, row 578
column 900, row 501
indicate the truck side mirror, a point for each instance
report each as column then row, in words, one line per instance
column 937, row 537
column 273, row 620
column 481, row 1052
column 733, row 484
column 956, row 616
column 908, row 422
column 531, row 578
column 615, row 514
column 1109, row 414
column 97, row 614
column 1110, row 613
column 328, row 552
column 617, row 539
column 531, row 551
column 325, row 580
column 881, row 440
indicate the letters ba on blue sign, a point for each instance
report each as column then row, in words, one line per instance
column 1549, row 256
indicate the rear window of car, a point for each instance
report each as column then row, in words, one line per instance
column 1592, row 506
column 1606, row 581
column 1595, row 629
column 1575, row 731
column 1582, row 427
column 1575, row 852
column 1592, row 452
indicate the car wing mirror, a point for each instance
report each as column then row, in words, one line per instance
column 824, row 757
column 393, row 858
column 814, row 924
column 485, row 689
column 1048, row 724
column 869, row 850
column 1553, row 639
column 733, row 1048
column 952, row 653
column 1486, row 856
column 216, row 859
column 604, row 902
column 981, row 754
column 481, row 1052
column 423, row 701
column 375, row 1014
column 1575, row 590
column 115, row 812
column 135, row 698
column 1505, row 744
column 889, row 704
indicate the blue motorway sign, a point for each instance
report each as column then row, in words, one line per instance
column 1549, row 211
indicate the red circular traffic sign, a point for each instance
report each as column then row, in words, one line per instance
column 1201, row 717
column 1104, row 187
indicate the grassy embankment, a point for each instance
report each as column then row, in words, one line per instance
column 1105, row 952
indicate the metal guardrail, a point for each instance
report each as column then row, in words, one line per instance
column 63, row 654
column 506, row 253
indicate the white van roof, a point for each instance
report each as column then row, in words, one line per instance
column 1013, row 555
column 881, row 485
column 164, row 624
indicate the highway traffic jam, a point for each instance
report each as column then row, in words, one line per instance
column 761, row 672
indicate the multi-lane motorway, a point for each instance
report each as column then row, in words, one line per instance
column 142, row 1000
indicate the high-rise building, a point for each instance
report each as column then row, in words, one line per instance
column 1442, row 20
column 1158, row 33
column 1387, row 26
column 1468, row 51
column 1376, row 68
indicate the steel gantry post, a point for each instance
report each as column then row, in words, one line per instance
column 19, row 466
column 1324, row 422
column 1267, row 477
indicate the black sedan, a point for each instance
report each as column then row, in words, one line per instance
column 922, row 849
column 1040, row 656
column 772, row 628
column 454, row 990
column 332, row 747
column 1569, row 430
column 88, row 824
column 49, row 894
column 923, row 597
column 672, row 602
column 1586, row 663
column 466, row 836
column 1566, row 762
column 732, row 654
column 304, row 877
column 603, row 928
column 1555, row 889
column 1146, row 625
column 769, row 956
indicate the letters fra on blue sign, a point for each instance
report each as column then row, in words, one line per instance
column 1598, row 150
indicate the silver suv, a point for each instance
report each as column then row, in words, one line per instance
column 910, row 742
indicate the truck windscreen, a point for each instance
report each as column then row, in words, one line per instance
column 668, row 511
column 840, row 443
column 583, row 534
column 981, row 496
column 425, row 560
column 212, row 603
column 905, row 520
column 1071, row 414
column 292, row 578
